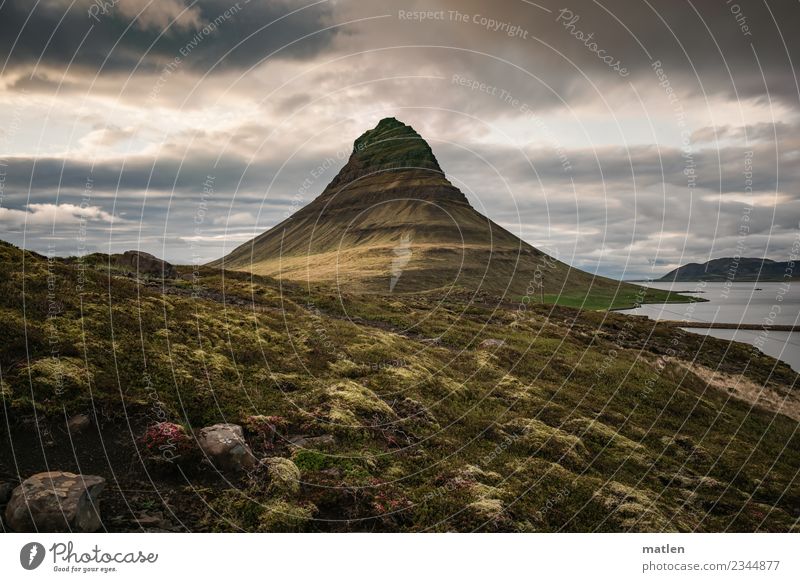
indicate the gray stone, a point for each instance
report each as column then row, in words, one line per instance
column 225, row 447
column 56, row 502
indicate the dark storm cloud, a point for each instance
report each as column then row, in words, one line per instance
column 55, row 34
column 741, row 49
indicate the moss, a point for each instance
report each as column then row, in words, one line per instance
column 351, row 402
column 502, row 428
column 478, row 474
column 634, row 508
column 284, row 475
column 5, row 390
column 56, row 381
column 487, row 508
column 348, row 369
column 234, row 509
column 307, row 460
column 281, row 516
column 540, row 439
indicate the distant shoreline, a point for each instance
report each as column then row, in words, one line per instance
column 769, row 280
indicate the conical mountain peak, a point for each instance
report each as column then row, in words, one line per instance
column 388, row 162
column 393, row 144
column 390, row 221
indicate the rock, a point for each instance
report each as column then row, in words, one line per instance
column 226, row 448
column 284, row 475
column 145, row 264
column 78, row 424
column 492, row 343
column 56, row 502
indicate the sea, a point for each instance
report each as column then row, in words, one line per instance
column 764, row 304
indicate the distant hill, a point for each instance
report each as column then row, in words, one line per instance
column 391, row 222
column 728, row 268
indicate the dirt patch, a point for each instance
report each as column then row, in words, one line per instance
column 740, row 387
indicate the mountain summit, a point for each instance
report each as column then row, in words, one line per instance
column 391, row 221
column 386, row 161
column 390, row 145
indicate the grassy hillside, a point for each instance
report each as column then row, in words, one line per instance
column 578, row 421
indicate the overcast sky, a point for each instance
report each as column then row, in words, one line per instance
column 625, row 137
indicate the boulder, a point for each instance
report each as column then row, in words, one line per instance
column 78, row 424
column 225, row 447
column 56, row 502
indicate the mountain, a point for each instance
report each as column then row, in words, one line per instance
column 391, row 221
column 733, row 269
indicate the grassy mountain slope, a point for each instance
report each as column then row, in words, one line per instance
column 391, row 221
column 580, row 421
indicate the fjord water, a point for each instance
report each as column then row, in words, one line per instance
column 765, row 304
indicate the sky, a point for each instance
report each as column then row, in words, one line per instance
column 625, row 138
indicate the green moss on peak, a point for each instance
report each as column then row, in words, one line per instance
column 393, row 144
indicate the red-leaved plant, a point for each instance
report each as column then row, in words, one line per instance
column 166, row 439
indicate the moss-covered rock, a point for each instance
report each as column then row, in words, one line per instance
column 283, row 474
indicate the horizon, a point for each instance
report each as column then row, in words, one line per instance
column 179, row 264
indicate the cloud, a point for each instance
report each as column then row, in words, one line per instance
column 699, row 44
column 53, row 215
column 161, row 14
column 143, row 34
column 236, row 219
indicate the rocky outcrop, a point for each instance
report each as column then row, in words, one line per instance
column 56, row 502
column 225, row 447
